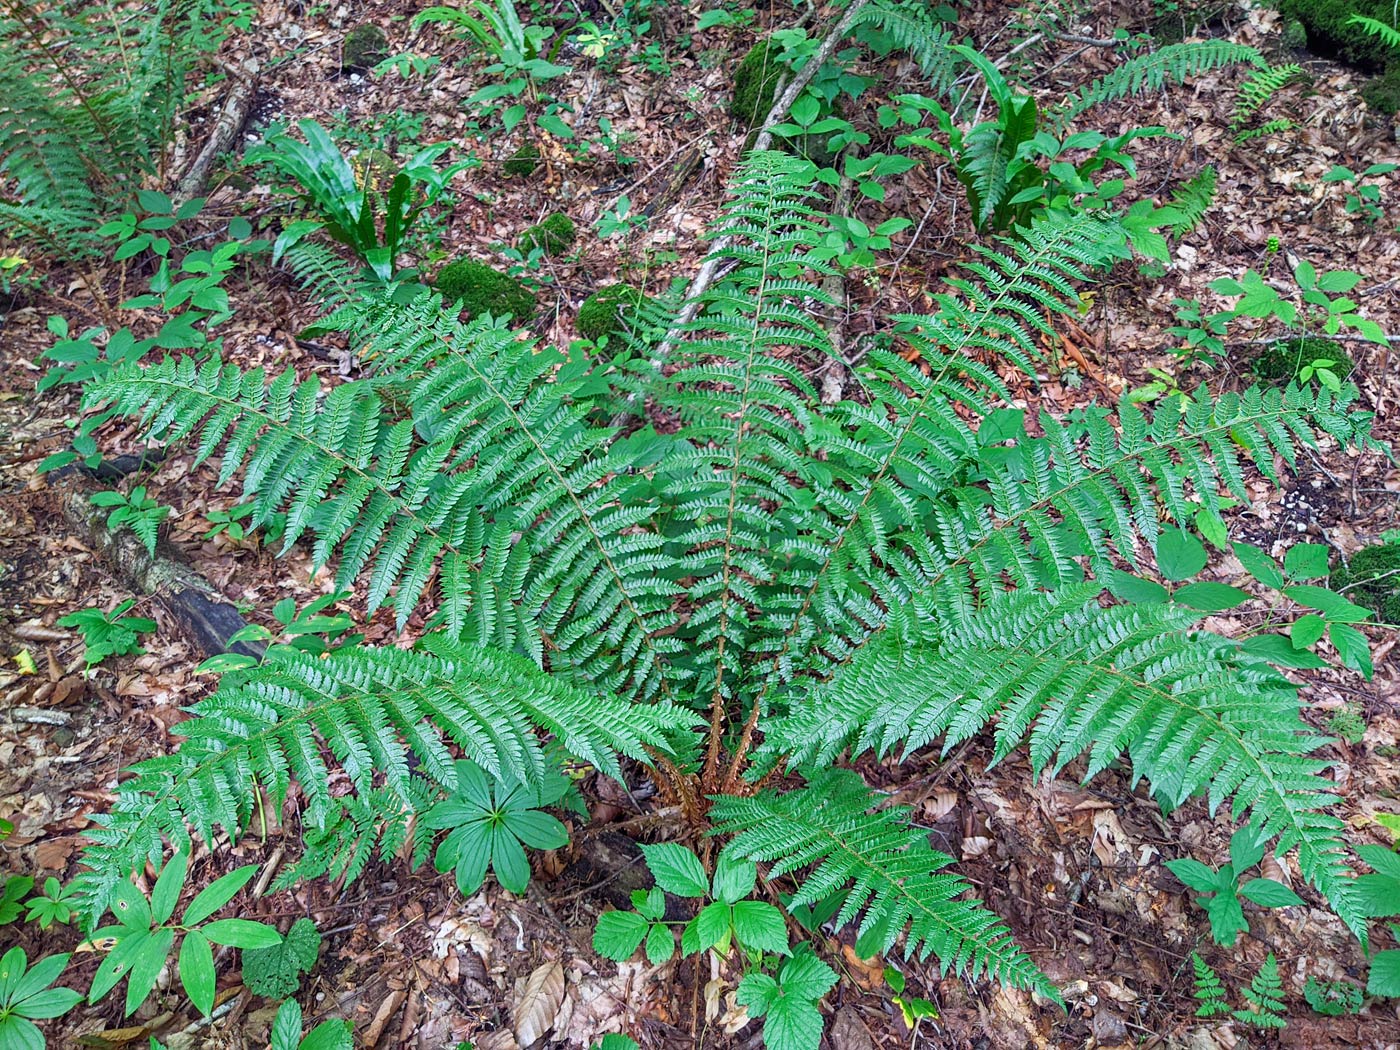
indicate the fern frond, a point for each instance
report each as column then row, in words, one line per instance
column 892, row 452
column 1386, row 34
column 330, row 279
column 743, row 399
column 1259, row 87
column 1209, row 992
column 1174, row 63
column 365, row 712
column 1075, row 678
column 1269, row 127
column 89, row 95
column 833, row 829
column 1190, row 202
column 495, row 483
column 911, row 26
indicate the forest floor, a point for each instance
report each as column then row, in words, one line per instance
column 1075, row 870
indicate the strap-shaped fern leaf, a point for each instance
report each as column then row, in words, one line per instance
column 886, row 869
column 367, row 712
column 1078, row 679
column 1174, row 63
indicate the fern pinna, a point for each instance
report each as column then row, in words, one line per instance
column 807, row 581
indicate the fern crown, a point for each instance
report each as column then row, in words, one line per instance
column 808, row 580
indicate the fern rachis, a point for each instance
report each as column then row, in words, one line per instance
column 806, row 580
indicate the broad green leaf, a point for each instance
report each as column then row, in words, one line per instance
column 42, row 974
column 1269, row 894
column 509, row 862
column 166, row 892
column 661, row 944
column 1179, row 554
column 1279, row 650
column 1352, row 647
column 677, row 870
column 217, row 894
column 18, row 1034
column 759, row 926
column 1331, row 604
column 1306, row 561
column 146, row 967
column 619, row 934
column 329, row 1035
column 197, row 971
column 1193, row 873
column 1259, row 565
column 712, row 925
column 1306, row 631
column 241, row 933
column 734, row 878
column 55, row 1002
column 1208, row 596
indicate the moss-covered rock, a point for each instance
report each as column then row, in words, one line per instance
column 365, row 46
column 483, row 290
column 552, row 236
column 756, row 83
column 606, row 311
column 1329, row 34
column 1283, row 359
column 523, row 161
column 1371, row 577
column 1382, row 93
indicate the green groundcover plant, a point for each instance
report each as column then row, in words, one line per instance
column 739, row 603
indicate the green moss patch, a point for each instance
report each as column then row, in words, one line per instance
column 523, row 161
column 1283, row 359
column 606, row 312
column 756, row 83
column 365, row 46
column 1371, row 577
column 483, row 290
column 552, row 236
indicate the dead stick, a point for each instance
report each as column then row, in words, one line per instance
column 237, row 105
column 781, row 105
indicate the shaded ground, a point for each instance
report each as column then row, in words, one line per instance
column 1076, row 871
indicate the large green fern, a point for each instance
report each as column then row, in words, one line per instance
column 815, row 580
column 91, row 92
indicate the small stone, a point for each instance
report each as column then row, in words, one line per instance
column 1108, row 1027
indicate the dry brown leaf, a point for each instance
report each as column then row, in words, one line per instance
column 537, row 1003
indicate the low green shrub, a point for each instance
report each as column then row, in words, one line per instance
column 1283, row 359
column 483, row 290
column 605, row 312
column 1371, row 578
column 552, row 236
column 523, row 161
column 365, row 46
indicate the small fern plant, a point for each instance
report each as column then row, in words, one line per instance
column 744, row 597
column 78, row 139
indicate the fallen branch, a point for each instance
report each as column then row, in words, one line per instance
column 237, row 105
column 201, row 612
column 776, row 115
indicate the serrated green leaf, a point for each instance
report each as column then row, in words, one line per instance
column 677, row 870
column 619, row 934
